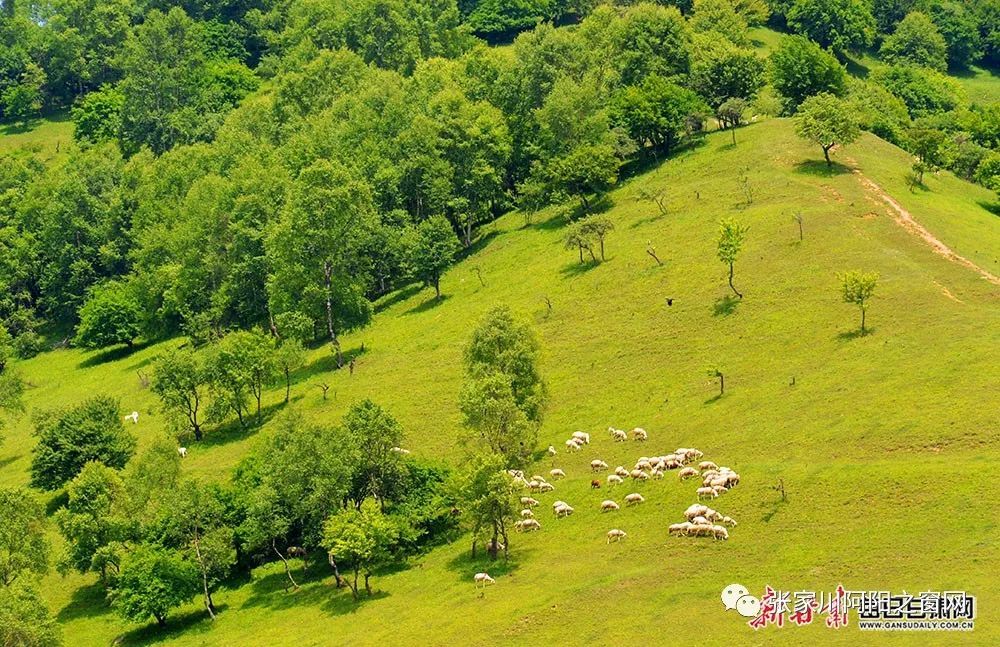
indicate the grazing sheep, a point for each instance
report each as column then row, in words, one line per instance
column 527, row 514
column 556, row 504
column 679, row 528
column 534, row 485
column 564, row 511
column 720, row 532
column 706, row 492
column 713, row 515
column 694, row 454
column 718, row 489
column 694, row 510
column 597, row 465
column 527, row 525
column 643, row 465
column 540, row 479
column 616, row 535
column 621, row 471
column 399, row 450
column 528, row 501
column 639, row 434
column 681, row 454
column 634, row 499
column 729, row 521
column 707, row 465
column 687, row 472
column 619, row 436
column 701, row 530
column 484, row 579
column 546, row 487
column 614, row 479
column 595, row 484
column 557, row 474
column 608, row 506
column 699, row 521
column 732, row 479
column 518, row 474
column 718, row 482
column 296, row 551
column 572, row 445
column 656, row 473
column 582, row 436
column 552, row 450
column 134, row 417
column 183, row 451
column 672, row 464
column 635, row 473
column 642, row 476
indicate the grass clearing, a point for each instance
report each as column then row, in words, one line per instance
column 885, row 443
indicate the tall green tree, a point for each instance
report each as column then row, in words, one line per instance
column 152, row 581
column 840, row 25
column 376, row 469
column 24, row 618
column 24, row 548
column 827, row 121
column 69, row 438
column 241, row 365
column 23, row 100
column 918, row 41
column 801, row 69
column 109, row 316
column 366, row 540
column 487, row 497
column 433, row 251
column 731, row 236
column 180, row 378
column 314, row 250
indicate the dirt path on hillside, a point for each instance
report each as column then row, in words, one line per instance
column 906, row 221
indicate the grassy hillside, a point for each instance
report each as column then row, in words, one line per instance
column 51, row 136
column 885, row 442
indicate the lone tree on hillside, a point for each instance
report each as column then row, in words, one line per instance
column 858, row 287
column 179, row 379
column 579, row 240
column 827, row 121
column 730, row 114
column 366, row 540
column 433, row 251
column 597, row 227
column 731, row 234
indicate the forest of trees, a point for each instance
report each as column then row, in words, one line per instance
column 308, row 157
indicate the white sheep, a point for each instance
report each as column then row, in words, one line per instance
column 399, row 450
column 701, row 530
column 609, row 506
column 614, row 479
column 484, row 579
column 718, row 489
column 616, row 535
column 546, row 487
column 572, row 445
column 557, row 474
column 720, row 532
column 641, row 476
column 643, row 465
column 729, row 521
column 582, row 436
column 527, row 525
column 694, row 510
column 597, row 465
column 621, row 471
column 687, row 472
column 564, row 511
column 679, row 528
column 556, row 504
column 639, row 434
column 134, row 417
column 634, row 499
column 534, row 485
column 527, row 514
column 708, row 492
column 656, row 473
column 183, row 451
column 707, row 465
column 528, row 501
column 552, row 450
column 619, row 436
column 713, row 515
column 699, row 521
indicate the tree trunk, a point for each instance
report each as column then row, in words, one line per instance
column 722, row 384
column 354, row 586
column 437, row 287
column 590, row 250
column 580, row 249
column 826, row 154
column 602, row 249
column 731, row 282
column 586, row 205
column 160, row 619
column 862, row 321
column 288, row 383
column 327, row 282
column 288, row 571
column 204, row 578
column 368, row 587
column 336, row 571
column 733, row 129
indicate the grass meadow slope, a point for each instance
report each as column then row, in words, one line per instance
column 886, row 444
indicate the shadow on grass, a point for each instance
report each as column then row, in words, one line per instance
column 429, row 304
column 327, row 364
column 399, row 295
column 647, row 220
column 478, row 244
column 775, row 509
column 464, row 565
column 725, row 306
column 577, row 268
column 715, row 398
column 185, row 623
column 992, row 207
column 7, row 461
column 56, row 500
column 557, row 220
column 855, row 334
column 316, row 589
column 112, row 355
column 855, row 68
column 233, row 431
column 819, row 168
column 86, row 602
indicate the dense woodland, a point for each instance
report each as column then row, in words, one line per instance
column 254, row 175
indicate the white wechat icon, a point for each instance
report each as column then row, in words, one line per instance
column 736, row 596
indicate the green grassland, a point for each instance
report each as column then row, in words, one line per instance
column 885, row 443
column 51, row 137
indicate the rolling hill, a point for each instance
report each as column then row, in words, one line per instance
column 885, row 443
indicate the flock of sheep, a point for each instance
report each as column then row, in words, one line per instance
column 700, row 520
